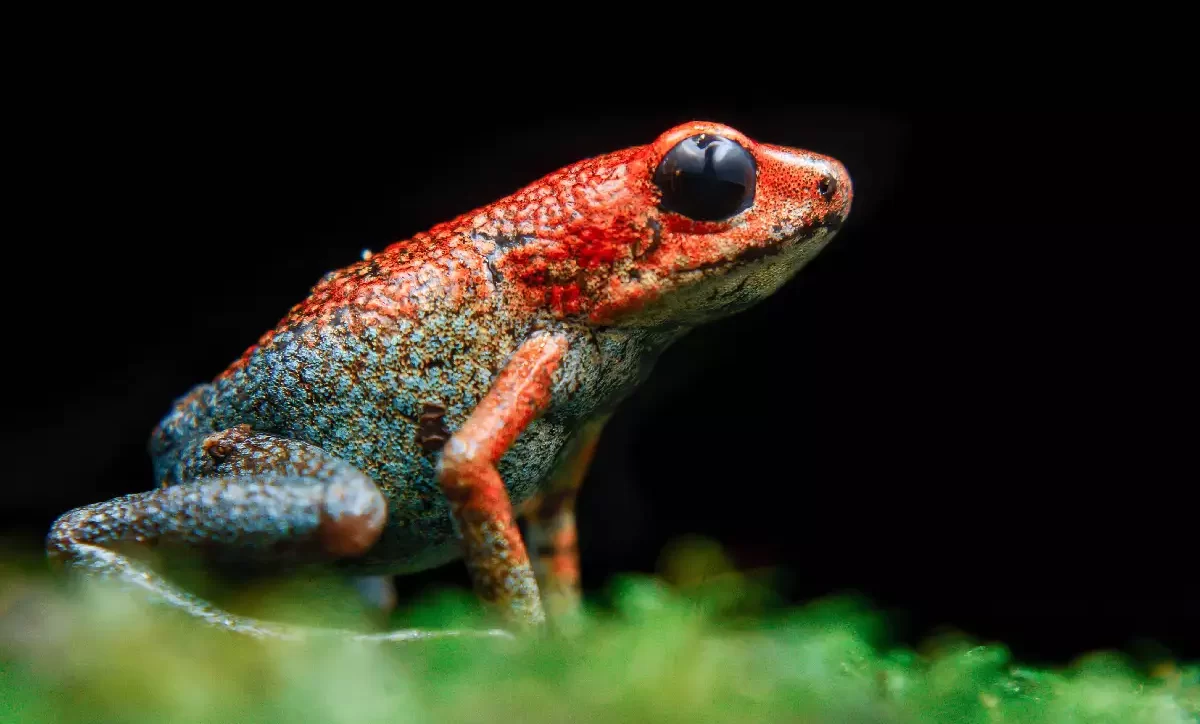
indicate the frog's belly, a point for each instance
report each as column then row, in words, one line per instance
column 420, row 533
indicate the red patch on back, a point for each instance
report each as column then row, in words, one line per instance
column 599, row 246
column 566, row 298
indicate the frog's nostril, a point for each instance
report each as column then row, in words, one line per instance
column 827, row 187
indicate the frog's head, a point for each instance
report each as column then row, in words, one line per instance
column 701, row 223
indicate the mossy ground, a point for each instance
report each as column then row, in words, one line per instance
column 711, row 649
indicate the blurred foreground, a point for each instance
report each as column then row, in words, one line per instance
column 708, row 648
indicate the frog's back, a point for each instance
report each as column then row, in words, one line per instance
column 381, row 357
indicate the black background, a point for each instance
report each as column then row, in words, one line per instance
column 974, row 407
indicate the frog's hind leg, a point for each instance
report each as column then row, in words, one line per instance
column 247, row 496
column 550, row 520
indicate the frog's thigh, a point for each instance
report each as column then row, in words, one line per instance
column 349, row 509
column 553, row 540
column 252, row 495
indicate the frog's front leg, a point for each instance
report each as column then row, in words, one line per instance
column 248, row 496
column 494, row 550
column 552, row 530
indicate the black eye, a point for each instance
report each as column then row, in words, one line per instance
column 827, row 187
column 707, row 178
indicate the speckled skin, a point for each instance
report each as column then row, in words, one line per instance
column 390, row 379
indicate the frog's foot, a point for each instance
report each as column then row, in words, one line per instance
column 259, row 499
column 97, row 560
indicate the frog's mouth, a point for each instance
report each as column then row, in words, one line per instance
column 716, row 290
column 712, row 290
column 777, row 247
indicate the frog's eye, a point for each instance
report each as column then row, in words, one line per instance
column 707, row 178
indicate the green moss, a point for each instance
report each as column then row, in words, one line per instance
column 710, row 648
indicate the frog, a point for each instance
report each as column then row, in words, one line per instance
column 424, row 401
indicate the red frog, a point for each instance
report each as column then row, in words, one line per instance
column 421, row 400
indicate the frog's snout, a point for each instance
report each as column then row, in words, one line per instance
column 835, row 190
column 844, row 194
column 822, row 182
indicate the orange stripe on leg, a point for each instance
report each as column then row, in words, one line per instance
column 494, row 549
